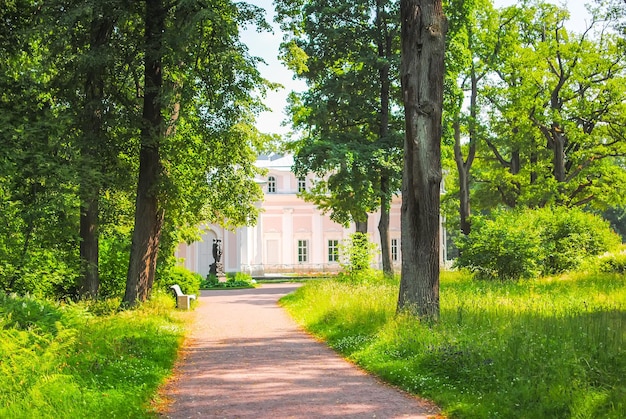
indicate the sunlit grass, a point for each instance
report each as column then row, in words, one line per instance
column 66, row 361
column 551, row 347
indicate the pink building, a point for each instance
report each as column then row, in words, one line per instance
column 291, row 235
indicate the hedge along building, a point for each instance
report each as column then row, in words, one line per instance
column 291, row 235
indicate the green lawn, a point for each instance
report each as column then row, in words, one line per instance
column 85, row 360
column 545, row 348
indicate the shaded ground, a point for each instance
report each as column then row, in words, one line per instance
column 247, row 358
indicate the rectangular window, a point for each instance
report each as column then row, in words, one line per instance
column 271, row 184
column 394, row 250
column 301, row 184
column 303, row 251
column 333, row 250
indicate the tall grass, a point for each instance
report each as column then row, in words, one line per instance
column 84, row 360
column 551, row 347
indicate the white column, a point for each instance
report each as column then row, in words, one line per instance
column 287, row 237
column 318, row 247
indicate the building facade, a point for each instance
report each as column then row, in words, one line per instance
column 291, row 236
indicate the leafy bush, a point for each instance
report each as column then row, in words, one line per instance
column 613, row 264
column 570, row 235
column 524, row 244
column 61, row 360
column 357, row 254
column 113, row 265
column 503, row 248
column 234, row 280
column 189, row 281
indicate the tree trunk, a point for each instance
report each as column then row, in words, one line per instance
column 148, row 212
column 464, row 186
column 384, row 53
column 89, row 255
column 383, row 230
column 92, row 143
column 361, row 226
column 559, row 154
column 422, row 71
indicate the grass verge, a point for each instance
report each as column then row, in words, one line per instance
column 551, row 347
column 84, row 360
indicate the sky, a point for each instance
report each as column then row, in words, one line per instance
column 266, row 45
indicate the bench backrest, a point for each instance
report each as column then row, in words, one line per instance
column 177, row 290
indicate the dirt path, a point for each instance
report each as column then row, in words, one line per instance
column 247, row 358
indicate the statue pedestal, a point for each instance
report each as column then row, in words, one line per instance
column 221, row 276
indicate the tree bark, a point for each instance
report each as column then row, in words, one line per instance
column 148, row 212
column 384, row 53
column 463, row 168
column 92, row 143
column 383, row 229
column 361, row 226
column 422, row 70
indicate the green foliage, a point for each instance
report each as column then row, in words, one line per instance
column 114, row 254
column 524, row 244
column 615, row 263
column 233, row 280
column 350, row 116
column 504, row 248
column 70, row 125
column 557, row 141
column 569, row 235
column 66, row 361
column 356, row 255
column 539, row 348
column 188, row 281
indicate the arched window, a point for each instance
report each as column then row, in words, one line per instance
column 301, row 184
column 271, row 184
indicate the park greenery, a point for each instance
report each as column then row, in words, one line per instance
column 542, row 347
column 85, row 360
column 533, row 113
column 125, row 125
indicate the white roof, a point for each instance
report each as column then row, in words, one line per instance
column 275, row 162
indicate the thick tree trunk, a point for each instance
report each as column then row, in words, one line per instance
column 148, row 213
column 384, row 53
column 89, row 255
column 361, row 226
column 383, row 230
column 423, row 43
column 101, row 29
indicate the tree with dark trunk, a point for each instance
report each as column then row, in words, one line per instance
column 91, row 145
column 423, row 33
column 149, row 212
column 349, row 116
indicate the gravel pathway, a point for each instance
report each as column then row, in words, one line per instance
column 246, row 358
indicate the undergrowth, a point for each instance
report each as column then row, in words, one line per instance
column 84, row 360
column 551, row 347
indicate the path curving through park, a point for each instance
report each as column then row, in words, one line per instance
column 246, row 358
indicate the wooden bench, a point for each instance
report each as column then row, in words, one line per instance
column 182, row 300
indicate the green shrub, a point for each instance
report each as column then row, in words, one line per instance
column 524, row 244
column 569, row 235
column 357, row 254
column 113, row 265
column 234, row 280
column 613, row 264
column 503, row 248
column 189, row 281
column 61, row 360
